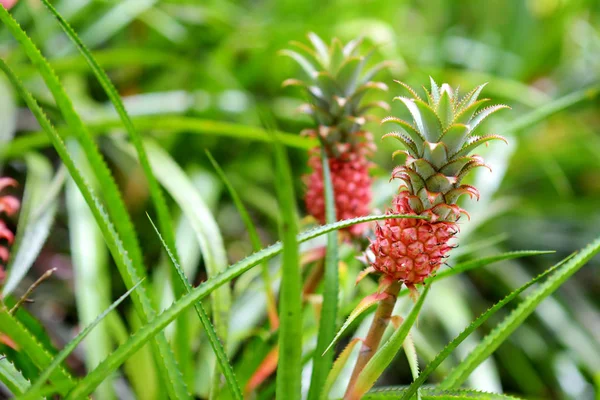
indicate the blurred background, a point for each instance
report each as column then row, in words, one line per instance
column 218, row 61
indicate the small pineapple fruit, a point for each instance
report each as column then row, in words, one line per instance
column 336, row 85
column 435, row 160
column 9, row 205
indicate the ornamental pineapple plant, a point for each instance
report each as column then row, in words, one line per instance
column 9, row 206
column 436, row 157
column 337, row 81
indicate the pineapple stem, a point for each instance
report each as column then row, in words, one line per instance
column 378, row 326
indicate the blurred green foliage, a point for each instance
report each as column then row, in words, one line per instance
column 218, row 60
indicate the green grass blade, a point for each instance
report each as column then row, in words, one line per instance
column 92, row 281
column 170, row 124
column 179, row 186
column 34, row 222
column 68, row 349
column 491, row 342
column 384, row 356
column 442, row 355
column 136, row 341
column 32, row 348
column 323, row 361
column 553, row 107
column 254, row 239
column 131, row 263
column 215, row 343
column 436, row 394
column 289, row 367
column 12, row 378
column 164, row 219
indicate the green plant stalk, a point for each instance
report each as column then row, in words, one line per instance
column 322, row 363
column 289, row 367
column 371, row 343
column 384, row 356
column 156, row 194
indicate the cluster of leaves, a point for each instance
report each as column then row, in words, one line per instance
column 162, row 330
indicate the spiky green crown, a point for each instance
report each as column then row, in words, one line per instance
column 337, row 81
column 438, row 145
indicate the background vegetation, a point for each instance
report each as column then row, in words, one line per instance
column 194, row 76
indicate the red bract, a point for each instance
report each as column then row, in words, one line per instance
column 9, row 205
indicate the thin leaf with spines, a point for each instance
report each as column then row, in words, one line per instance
column 362, row 306
column 12, row 378
column 476, row 141
column 450, row 347
column 110, row 235
column 495, row 338
column 30, row 346
column 337, row 367
column 213, row 338
column 484, row 113
column 146, row 332
column 254, row 239
column 427, row 125
column 306, row 66
column 70, row 347
column 436, row 394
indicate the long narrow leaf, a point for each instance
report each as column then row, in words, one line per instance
column 12, row 378
column 215, row 343
column 254, row 239
column 431, row 367
column 92, row 280
column 136, row 341
column 32, row 348
column 68, row 349
column 481, row 262
column 289, row 368
column 436, row 394
column 323, row 361
column 491, row 342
